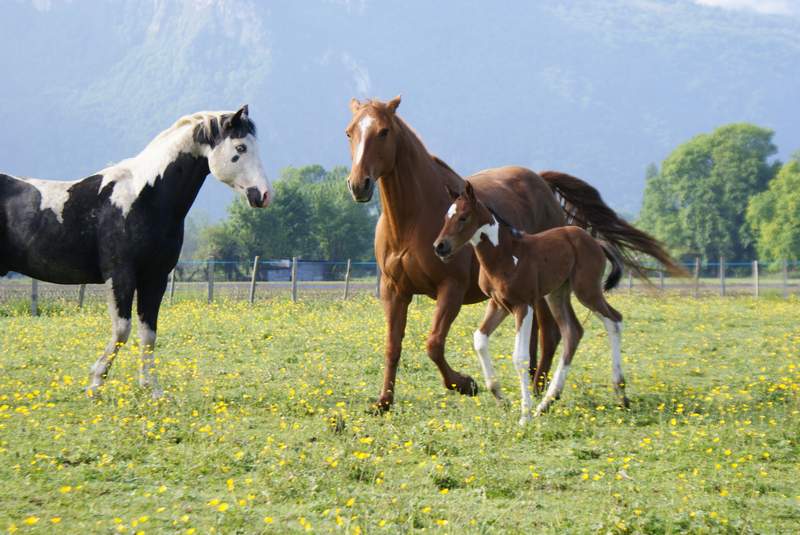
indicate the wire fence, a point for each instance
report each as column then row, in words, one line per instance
column 257, row 279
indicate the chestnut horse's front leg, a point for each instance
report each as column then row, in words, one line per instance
column 395, row 307
column 449, row 297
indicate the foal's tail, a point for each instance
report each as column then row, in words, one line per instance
column 616, row 266
column 585, row 208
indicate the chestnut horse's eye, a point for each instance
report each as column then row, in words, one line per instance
column 384, row 132
column 347, row 133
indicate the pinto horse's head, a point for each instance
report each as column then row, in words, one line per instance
column 466, row 216
column 233, row 158
column 373, row 145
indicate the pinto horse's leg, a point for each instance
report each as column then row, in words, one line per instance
column 521, row 358
column 148, row 302
column 395, row 307
column 571, row 332
column 494, row 316
column 550, row 336
column 449, row 298
column 120, row 303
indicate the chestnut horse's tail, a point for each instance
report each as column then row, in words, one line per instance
column 616, row 265
column 585, row 208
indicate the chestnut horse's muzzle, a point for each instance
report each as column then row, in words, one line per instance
column 362, row 192
column 443, row 250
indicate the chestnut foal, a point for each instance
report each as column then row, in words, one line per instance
column 518, row 269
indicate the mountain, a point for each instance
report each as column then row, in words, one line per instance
column 597, row 89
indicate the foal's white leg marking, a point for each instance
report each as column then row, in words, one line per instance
column 147, row 374
column 363, row 125
column 614, row 330
column 492, row 232
column 481, row 344
column 120, row 331
column 555, row 388
column 522, row 357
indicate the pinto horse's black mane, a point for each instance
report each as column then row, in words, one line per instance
column 216, row 129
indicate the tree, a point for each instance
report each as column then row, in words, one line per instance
column 774, row 215
column 697, row 203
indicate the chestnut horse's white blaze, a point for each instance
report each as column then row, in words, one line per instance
column 124, row 225
column 363, row 126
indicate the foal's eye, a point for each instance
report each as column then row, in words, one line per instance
column 384, row 132
column 241, row 149
column 463, row 219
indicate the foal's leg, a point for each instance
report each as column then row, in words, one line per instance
column 448, row 303
column 148, row 303
column 550, row 336
column 494, row 316
column 522, row 357
column 120, row 302
column 571, row 332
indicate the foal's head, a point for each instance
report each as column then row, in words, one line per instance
column 373, row 144
column 466, row 216
column 233, row 156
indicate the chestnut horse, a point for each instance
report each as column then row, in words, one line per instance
column 414, row 200
column 519, row 269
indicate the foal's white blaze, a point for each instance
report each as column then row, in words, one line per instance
column 521, row 358
column 490, row 230
column 363, row 125
column 451, row 211
column 54, row 194
column 481, row 344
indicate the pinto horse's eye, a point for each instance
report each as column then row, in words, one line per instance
column 384, row 132
column 241, row 149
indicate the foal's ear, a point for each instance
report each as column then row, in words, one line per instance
column 354, row 105
column 453, row 193
column 393, row 104
column 470, row 192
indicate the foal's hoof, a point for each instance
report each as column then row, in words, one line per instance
column 92, row 392
column 626, row 403
column 381, row 405
column 494, row 388
column 465, row 385
column 524, row 420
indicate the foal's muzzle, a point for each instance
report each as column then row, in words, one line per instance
column 362, row 192
column 257, row 199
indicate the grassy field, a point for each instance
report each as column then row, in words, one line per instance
column 265, row 427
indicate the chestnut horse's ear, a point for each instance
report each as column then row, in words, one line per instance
column 393, row 104
column 453, row 193
column 470, row 192
column 354, row 105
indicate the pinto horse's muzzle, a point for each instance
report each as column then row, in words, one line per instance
column 256, row 199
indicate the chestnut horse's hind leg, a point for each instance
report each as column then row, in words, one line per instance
column 120, row 303
column 550, row 337
column 395, row 307
column 148, row 302
column 494, row 316
column 571, row 332
column 614, row 330
column 448, row 303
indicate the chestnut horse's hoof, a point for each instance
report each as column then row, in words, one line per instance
column 465, row 385
column 381, row 405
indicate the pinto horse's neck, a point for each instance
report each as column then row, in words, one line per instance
column 492, row 243
column 413, row 193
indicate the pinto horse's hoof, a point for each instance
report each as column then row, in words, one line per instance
column 464, row 385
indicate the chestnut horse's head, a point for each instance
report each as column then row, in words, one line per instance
column 463, row 223
column 373, row 145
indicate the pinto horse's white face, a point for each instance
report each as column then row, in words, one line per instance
column 235, row 160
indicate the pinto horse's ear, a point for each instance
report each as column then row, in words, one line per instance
column 393, row 104
column 469, row 192
column 354, row 105
column 453, row 193
column 236, row 118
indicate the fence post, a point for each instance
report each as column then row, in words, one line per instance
column 34, row 297
column 661, row 279
column 171, row 286
column 210, row 276
column 347, row 280
column 630, row 281
column 377, row 281
column 81, row 295
column 294, row 278
column 722, row 275
column 786, row 278
column 697, row 276
column 253, row 279
column 756, row 289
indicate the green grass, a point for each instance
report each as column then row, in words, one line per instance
column 266, row 418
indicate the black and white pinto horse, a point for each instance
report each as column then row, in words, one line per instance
column 124, row 225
